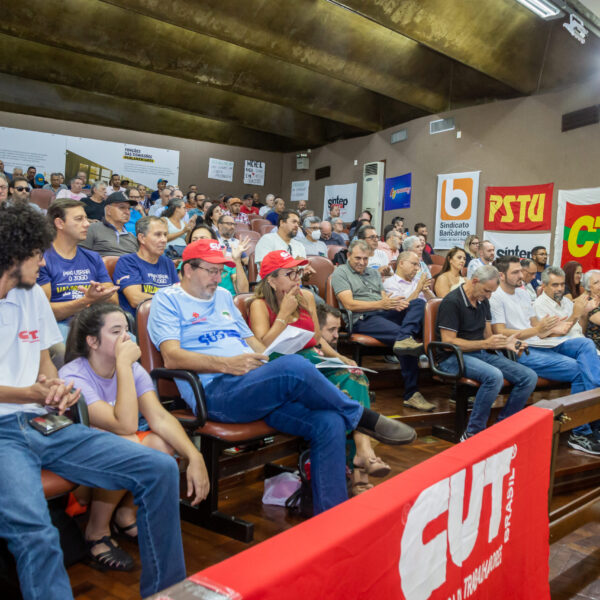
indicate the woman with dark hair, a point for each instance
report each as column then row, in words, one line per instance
column 365, row 218
column 573, row 274
column 212, row 215
column 177, row 228
column 278, row 302
column 471, row 248
column 102, row 361
column 450, row 277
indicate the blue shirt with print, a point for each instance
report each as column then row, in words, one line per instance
column 214, row 327
column 132, row 270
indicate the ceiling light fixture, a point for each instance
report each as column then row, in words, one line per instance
column 542, row 8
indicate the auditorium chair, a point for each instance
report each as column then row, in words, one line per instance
column 463, row 387
column 362, row 345
column 437, row 259
column 214, row 437
column 242, row 227
column 323, row 269
column 256, row 224
column 265, row 228
column 247, row 233
column 43, row 198
column 252, row 269
column 435, row 269
column 333, row 250
column 110, row 262
column 253, row 216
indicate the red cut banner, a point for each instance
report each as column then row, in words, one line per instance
column 581, row 237
column 524, row 208
column 471, row 522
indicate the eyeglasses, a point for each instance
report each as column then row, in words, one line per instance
column 21, row 189
column 294, row 275
column 229, row 223
column 211, row 272
column 372, row 237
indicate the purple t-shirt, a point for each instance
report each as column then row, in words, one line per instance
column 94, row 388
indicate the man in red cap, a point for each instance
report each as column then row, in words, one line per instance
column 197, row 327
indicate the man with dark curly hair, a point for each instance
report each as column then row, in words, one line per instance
column 30, row 392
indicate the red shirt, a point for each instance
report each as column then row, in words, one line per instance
column 304, row 321
column 249, row 211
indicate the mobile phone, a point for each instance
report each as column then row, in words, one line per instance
column 49, row 423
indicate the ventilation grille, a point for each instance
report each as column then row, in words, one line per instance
column 399, row 136
column 322, row 172
column 580, row 118
column 441, row 125
column 371, row 168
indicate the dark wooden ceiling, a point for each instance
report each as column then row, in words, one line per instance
column 275, row 74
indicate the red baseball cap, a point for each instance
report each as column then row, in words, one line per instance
column 208, row 251
column 279, row 259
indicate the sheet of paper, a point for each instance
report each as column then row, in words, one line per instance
column 336, row 363
column 289, row 341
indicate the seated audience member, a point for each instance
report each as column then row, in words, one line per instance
column 282, row 239
column 161, row 184
column 393, row 321
column 75, row 193
column 3, row 173
column 102, row 363
column 161, row 203
column 269, row 201
column 248, row 208
column 229, row 243
column 539, row 255
column 94, row 204
column 450, row 277
column 329, row 237
column 378, row 259
column 556, row 348
column 471, row 248
column 409, row 281
column 83, row 176
column 302, row 206
column 3, row 189
column 191, row 203
column 364, row 219
column 234, row 205
column 177, row 228
column 256, row 201
column 115, row 185
column 86, row 456
column 464, row 319
column 288, row 393
column 212, row 216
column 278, row 302
column 486, row 257
column 141, row 274
column 204, row 205
column 72, row 277
column 18, row 172
column 55, row 185
column 20, row 193
column 528, row 271
column 39, row 181
column 591, row 285
column 338, row 228
column 312, row 237
column 233, row 279
column 109, row 236
column 137, row 211
column 334, row 212
column 421, row 229
column 392, row 245
column 573, row 274
column 415, row 244
column 31, row 173
column 278, row 209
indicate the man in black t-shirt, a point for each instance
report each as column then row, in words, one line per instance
column 464, row 319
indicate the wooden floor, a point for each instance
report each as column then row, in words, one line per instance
column 574, row 560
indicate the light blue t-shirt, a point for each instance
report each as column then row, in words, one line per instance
column 214, row 327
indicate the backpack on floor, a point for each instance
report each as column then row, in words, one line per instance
column 301, row 501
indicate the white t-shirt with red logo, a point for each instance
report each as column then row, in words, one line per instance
column 27, row 326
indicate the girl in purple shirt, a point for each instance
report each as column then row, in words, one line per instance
column 102, row 361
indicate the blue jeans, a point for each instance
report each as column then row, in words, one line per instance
column 93, row 458
column 293, row 397
column 574, row 361
column 392, row 325
column 490, row 370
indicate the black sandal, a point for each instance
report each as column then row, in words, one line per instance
column 115, row 559
column 121, row 532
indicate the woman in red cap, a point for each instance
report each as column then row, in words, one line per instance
column 278, row 302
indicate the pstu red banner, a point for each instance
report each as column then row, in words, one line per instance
column 525, row 208
column 471, row 522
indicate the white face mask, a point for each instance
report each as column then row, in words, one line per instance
column 316, row 235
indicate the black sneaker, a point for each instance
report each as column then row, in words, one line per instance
column 584, row 443
column 465, row 436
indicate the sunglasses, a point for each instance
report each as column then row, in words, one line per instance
column 21, row 189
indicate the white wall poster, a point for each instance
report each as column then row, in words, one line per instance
column 343, row 195
column 254, row 172
column 220, row 169
column 456, row 208
column 299, row 191
column 517, row 244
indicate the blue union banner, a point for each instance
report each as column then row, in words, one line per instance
column 397, row 192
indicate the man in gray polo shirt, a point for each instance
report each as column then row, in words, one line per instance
column 109, row 236
column 393, row 321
